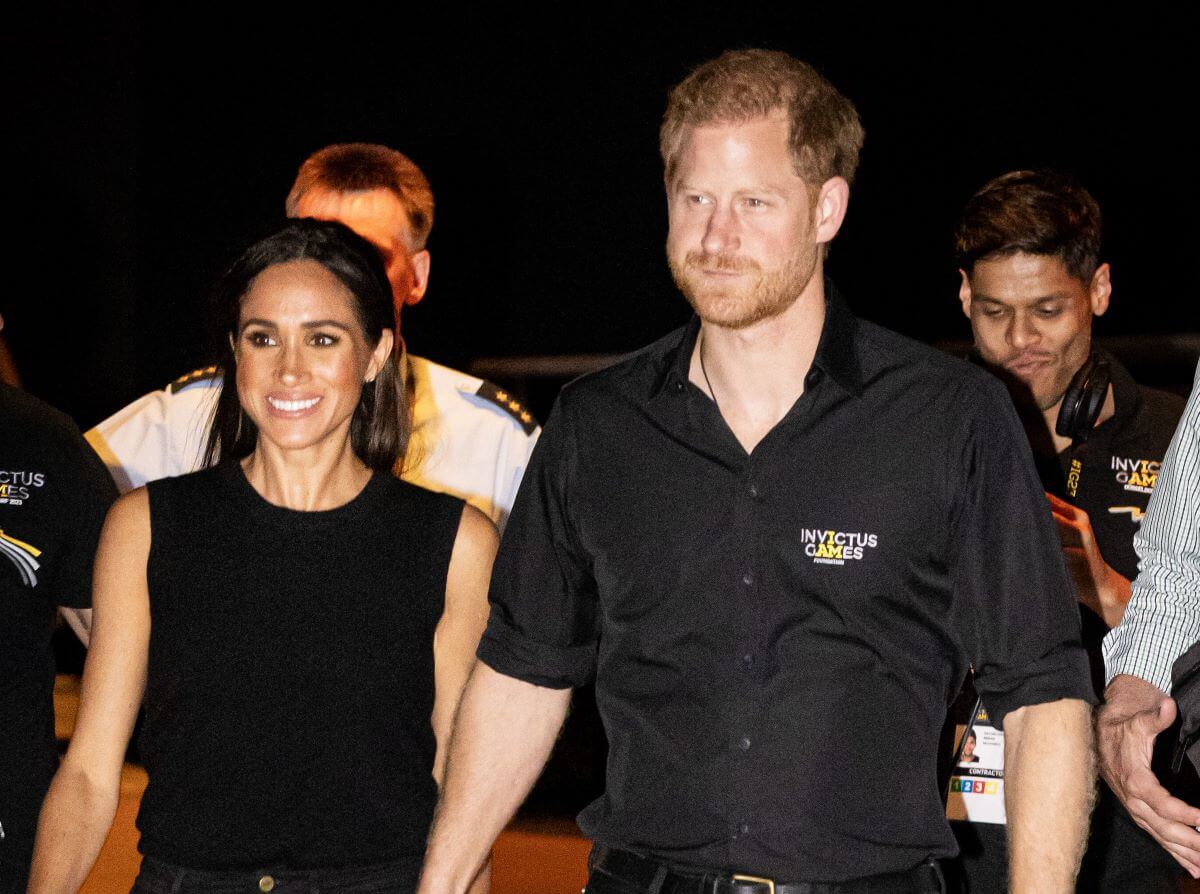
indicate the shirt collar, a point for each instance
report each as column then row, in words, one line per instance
column 836, row 355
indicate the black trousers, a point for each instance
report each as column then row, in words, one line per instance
column 603, row 879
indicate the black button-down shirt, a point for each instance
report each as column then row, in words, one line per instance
column 775, row 636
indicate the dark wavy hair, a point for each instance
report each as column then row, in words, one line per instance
column 379, row 429
column 1034, row 212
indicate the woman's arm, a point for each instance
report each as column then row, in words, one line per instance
column 458, row 632
column 83, row 796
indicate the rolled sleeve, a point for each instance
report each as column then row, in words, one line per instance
column 543, row 623
column 1018, row 621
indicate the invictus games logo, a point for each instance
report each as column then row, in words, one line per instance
column 1137, row 475
column 836, row 547
column 23, row 555
column 15, row 487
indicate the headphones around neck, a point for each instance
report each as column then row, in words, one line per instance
column 1084, row 398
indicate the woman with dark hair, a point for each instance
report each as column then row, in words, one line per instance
column 299, row 621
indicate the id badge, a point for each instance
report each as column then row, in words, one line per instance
column 976, row 792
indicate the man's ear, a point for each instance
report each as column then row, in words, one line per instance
column 964, row 293
column 830, row 208
column 1100, row 289
column 420, row 272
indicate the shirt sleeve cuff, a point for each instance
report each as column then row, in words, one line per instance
column 555, row 667
column 1062, row 674
column 1152, row 663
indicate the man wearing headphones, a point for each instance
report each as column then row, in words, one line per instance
column 1028, row 248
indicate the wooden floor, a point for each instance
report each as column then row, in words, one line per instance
column 531, row 857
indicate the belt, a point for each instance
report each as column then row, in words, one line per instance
column 653, row 877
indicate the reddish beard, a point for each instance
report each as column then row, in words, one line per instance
column 757, row 296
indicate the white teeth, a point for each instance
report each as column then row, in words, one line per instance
column 291, row 406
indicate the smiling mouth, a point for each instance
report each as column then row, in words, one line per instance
column 293, row 406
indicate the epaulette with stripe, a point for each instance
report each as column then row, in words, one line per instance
column 203, row 374
column 509, row 404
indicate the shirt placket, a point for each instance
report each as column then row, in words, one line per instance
column 746, row 662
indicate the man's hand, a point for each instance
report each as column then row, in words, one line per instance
column 1097, row 585
column 1134, row 713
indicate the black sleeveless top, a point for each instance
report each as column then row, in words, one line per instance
column 290, row 680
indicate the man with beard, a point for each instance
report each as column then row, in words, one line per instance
column 1028, row 249
column 767, row 532
column 469, row 438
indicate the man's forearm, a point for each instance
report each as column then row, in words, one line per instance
column 502, row 737
column 1049, row 785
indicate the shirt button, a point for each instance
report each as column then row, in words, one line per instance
column 266, row 884
column 752, row 489
column 678, row 387
column 748, row 578
column 745, row 743
column 745, row 829
column 814, row 376
column 747, row 661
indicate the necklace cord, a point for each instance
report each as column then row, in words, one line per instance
column 704, row 372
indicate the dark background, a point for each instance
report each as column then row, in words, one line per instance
column 150, row 149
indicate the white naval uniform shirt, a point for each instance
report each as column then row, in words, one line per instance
column 463, row 443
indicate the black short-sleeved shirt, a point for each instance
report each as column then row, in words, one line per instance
column 54, row 492
column 775, row 636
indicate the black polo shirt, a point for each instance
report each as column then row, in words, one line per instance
column 1112, row 474
column 775, row 636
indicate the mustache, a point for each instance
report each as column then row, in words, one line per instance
column 702, row 260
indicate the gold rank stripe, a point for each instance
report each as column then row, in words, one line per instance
column 505, row 401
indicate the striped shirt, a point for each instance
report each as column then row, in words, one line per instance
column 1162, row 620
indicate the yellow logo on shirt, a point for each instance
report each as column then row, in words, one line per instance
column 1073, row 477
column 836, row 547
column 23, row 555
column 1136, row 513
column 1137, row 475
